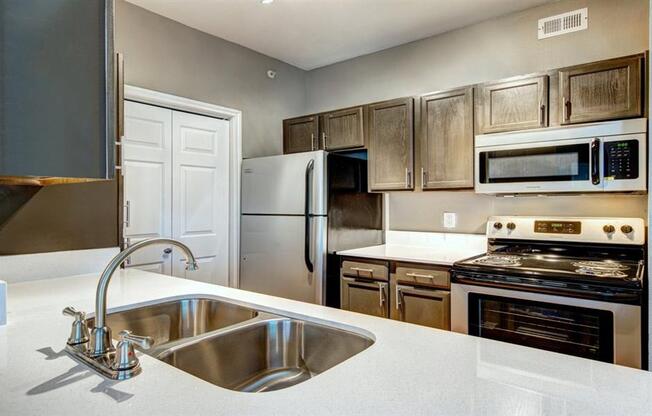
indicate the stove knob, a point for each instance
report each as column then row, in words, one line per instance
column 609, row 229
column 626, row 229
column 511, row 226
column 498, row 225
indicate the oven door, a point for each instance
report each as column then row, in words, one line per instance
column 603, row 331
column 554, row 166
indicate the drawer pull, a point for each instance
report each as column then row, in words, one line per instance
column 423, row 276
column 360, row 269
column 381, row 293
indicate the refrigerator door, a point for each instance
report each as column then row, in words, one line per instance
column 277, row 184
column 274, row 256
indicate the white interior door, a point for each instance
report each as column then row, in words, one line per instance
column 147, row 164
column 200, row 201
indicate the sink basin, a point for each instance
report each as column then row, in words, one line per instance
column 169, row 322
column 266, row 355
column 235, row 347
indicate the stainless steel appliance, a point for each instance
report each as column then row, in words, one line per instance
column 597, row 157
column 570, row 285
column 297, row 210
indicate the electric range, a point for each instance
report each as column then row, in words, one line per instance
column 570, row 285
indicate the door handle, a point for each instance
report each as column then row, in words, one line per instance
column 542, row 114
column 381, row 293
column 323, row 140
column 307, row 215
column 312, row 141
column 566, row 109
column 167, row 250
column 424, row 178
column 127, row 220
column 408, row 178
column 595, row 161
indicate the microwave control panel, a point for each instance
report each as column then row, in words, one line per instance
column 621, row 159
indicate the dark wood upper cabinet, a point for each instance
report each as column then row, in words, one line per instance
column 343, row 129
column 300, row 134
column 601, row 90
column 446, row 139
column 391, row 145
column 513, row 104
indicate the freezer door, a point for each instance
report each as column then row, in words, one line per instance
column 277, row 184
column 273, row 256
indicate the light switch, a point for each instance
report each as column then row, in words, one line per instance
column 450, row 220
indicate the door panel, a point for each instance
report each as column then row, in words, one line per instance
column 272, row 257
column 200, row 199
column 276, row 184
column 601, row 91
column 391, row 144
column 447, row 140
column 300, row 134
column 147, row 164
column 343, row 129
column 420, row 306
column 514, row 104
column 370, row 298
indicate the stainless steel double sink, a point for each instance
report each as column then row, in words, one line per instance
column 236, row 347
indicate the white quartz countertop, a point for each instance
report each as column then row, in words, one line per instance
column 420, row 247
column 409, row 370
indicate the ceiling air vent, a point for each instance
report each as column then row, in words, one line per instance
column 564, row 23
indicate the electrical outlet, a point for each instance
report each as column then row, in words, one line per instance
column 450, row 220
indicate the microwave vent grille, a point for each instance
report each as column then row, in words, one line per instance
column 563, row 23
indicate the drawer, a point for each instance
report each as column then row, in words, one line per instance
column 365, row 270
column 436, row 277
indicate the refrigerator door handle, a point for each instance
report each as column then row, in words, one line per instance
column 307, row 215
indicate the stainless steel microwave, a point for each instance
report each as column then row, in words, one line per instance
column 597, row 157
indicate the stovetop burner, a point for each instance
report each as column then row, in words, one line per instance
column 498, row 260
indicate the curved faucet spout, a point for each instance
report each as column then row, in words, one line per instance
column 101, row 334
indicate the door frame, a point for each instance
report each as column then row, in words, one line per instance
column 234, row 117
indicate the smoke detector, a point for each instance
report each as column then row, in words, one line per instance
column 564, row 23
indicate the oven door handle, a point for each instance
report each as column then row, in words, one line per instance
column 538, row 288
column 595, row 161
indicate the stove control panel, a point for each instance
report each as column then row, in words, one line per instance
column 558, row 227
column 578, row 229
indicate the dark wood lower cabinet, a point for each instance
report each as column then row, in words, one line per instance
column 414, row 293
column 391, row 145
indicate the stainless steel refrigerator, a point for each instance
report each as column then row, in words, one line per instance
column 297, row 211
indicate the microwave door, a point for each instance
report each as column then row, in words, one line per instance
column 558, row 166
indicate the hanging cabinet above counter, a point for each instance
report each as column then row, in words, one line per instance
column 427, row 142
column 58, row 113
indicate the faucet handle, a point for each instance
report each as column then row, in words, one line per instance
column 79, row 332
column 125, row 357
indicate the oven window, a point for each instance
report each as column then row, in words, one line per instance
column 572, row 330
column 537, row 164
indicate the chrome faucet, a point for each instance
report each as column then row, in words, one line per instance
column 98, row 350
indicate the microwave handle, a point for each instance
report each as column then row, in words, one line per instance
column 595, row 161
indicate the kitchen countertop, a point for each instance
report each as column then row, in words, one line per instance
column 409, row 370
column 420, row 247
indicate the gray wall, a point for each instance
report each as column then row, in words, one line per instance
column 164, row 55
column 493, row 49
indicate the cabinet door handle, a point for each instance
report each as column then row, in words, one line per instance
column 381, row 294
column 408, row 178
column 312, row 141
column 323, row 140
column 567, row 109
column 542, row 114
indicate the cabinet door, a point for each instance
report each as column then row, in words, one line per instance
column 343, row 129
column 391, row 145
column 365, row 297
column 514, row 104
column 300, row 134
column 447, row 139
column 421, row 306
column 601, row 91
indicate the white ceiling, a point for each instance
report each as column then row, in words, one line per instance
column 314, row 33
